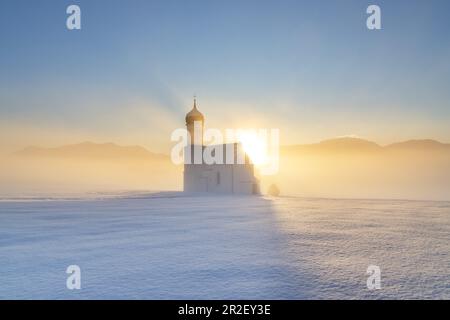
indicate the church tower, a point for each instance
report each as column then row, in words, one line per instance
column 221, row 177
column 195, row 123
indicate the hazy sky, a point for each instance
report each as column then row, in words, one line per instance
column 310, row 68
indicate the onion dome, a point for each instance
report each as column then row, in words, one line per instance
column 194, row 114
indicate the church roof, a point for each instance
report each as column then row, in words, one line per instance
column 194, row 114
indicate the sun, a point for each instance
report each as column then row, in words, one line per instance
column 255, row 146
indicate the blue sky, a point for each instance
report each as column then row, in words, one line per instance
column 311, row 68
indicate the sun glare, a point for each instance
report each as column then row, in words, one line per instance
column 255, row 146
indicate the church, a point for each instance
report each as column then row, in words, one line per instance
column 229, row 177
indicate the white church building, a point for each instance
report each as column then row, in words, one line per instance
column 237, row 177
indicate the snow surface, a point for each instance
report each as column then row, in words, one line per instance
column 175, row 246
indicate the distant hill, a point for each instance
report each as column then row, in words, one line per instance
column 356, row 145
column 342, row 167
column 347, row 145
column 426, row 144
column 91, row 150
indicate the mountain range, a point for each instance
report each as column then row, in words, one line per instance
column 91, row 150
column 342, row 167
column 356, row 145
column 337, row 145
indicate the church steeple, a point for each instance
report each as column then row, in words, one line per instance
column 194, row 114
column 194, row 123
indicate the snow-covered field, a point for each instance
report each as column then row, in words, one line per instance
column 173, row 246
